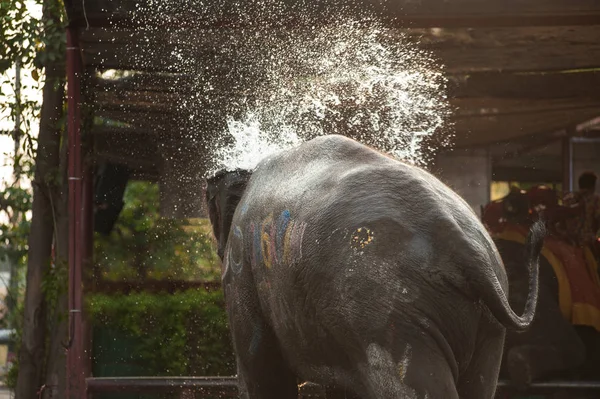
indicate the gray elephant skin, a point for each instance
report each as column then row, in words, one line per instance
column 345, row 267
column 552, row 347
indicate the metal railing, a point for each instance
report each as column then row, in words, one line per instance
column 223, row 386
column 226, row 387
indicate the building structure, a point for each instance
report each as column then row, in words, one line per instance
column 524, row 78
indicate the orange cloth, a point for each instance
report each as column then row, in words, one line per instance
column 576, row 272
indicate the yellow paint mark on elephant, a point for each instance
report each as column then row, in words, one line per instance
column 278, row 240
column 401, row 371
column 266, row 250
column 266, row 241
column 361, row 237
column 405, row 362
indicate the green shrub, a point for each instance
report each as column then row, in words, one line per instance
column 178, row 334
column 143, row 244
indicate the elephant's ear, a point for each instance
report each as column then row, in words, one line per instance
column 216, row 193
column 212, row 205
column 223, row 193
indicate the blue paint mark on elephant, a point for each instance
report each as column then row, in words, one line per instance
column 282, row 224
column 236, row 250
column 256, row 245
column 276, row 241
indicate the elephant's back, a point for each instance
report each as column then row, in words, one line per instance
column 333, row 173
column 333, row 197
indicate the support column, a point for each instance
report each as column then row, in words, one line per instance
column 469, row 173
column 586, row 157
column 77, row 246
column 88, row 251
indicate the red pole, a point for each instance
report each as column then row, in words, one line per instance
column 75, row 349
column 88, row 248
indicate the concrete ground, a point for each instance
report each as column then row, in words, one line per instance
column 5, row 393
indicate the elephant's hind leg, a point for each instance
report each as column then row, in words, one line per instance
column 420, row 373
column 262, row 371
column 481, row 377
column 264, row 374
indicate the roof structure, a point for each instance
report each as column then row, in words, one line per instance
column 521, row 72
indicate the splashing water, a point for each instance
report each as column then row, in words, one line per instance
column 259, row 87
column 367, row 83
column 251, row 144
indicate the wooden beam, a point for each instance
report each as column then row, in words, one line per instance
column 525, row 174
column 521, row 49
column 176, row 123
column 502, row 85
column 149, row 121
column 470, row 108
column 136, row 150
column 494, row 129
column 164, row 103
column 477, row 120
column 150, row 82
column 423, row 13
column 459, row 50
column 138, row 103
column 109, row 131
column 140, row 166
column 515, row 149
column 486, row 13
column 549, row 85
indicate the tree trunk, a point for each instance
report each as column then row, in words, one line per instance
column 33, row 350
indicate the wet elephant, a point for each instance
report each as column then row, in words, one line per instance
column 347, row 268
column 552, row 346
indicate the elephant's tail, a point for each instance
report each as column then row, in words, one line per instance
column 496, row 299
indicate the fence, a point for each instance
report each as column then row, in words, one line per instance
column 226, row 387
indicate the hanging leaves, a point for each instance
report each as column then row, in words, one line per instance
column 30, row 41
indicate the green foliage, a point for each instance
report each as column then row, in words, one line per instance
column 173, row 334
column 145, row 245
column 15, row 203
column 30, row 38
column 31, row 41
column 21, row 32
column 16, row 321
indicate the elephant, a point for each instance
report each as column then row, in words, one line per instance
column 348, row 268
column 552, row 346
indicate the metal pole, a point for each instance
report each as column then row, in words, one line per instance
column 570, row 142
column 585, row 140
column 88, row 247
column 567, row 158
column 75, row 358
